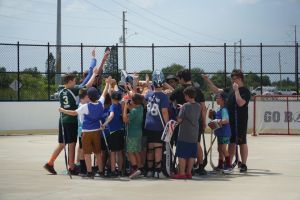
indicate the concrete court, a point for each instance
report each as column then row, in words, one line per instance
column 274, row 173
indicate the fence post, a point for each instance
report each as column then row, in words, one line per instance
column 81, row 57
column 48, row 70
column 189, row 56
column 117, row 60
column 297, row 68
column 152, row 57
column 261, row 68
column 225, row 66
column 18, row 58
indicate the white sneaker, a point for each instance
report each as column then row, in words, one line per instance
column 159, row 175
column 228, row 170
column 149, row 174
column 135, row 174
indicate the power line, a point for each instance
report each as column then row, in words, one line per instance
column 152, row 21
column 176, row 24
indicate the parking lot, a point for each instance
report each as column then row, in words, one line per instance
column 273, row 174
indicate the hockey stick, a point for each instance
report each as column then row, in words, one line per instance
column 63, row 136
column 236, row 139
column 204, row 145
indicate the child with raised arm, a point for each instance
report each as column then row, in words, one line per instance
column 186, row 149
column 135, row 133
column 116, row 138
column 223, row 133
column 91, row 114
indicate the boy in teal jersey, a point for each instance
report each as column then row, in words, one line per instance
column 134, row 119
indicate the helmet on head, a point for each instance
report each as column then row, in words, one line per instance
column 158, row 78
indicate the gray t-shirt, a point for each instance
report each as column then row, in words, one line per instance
column 189, row 127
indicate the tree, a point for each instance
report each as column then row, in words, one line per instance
column 142, row 74
column 111, row 64
column 172, row 69
column 52, row 68
column 5, row 78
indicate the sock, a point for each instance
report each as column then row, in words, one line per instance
column 227, row 160
column 82, row 166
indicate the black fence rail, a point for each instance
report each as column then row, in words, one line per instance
column 28, row 72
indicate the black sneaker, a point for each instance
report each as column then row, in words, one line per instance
column 114, row 174
column 74, row 171
column 201, row 171
column 50, row 169
column 243, row 168
column 88, row 175
column 239, row 164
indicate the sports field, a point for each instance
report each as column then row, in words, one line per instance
column 273, row 173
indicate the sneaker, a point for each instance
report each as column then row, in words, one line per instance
column 218, row 168
column 88, row 175
column 50, row 169
column 239, row 164
column 74, row 171
column 227, row 170
column 149, row 174
column 243, row 168
column 114, row 174
column 189, row 176
column 159, row 175
column 201, row 171
column 179, row 176
column 135, row 174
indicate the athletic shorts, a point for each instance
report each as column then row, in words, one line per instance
column 134, row 144
column 91, row 142
column 186, row 150
column 242, row 138
column 153, row 136
column 69, row 131
column 116, row 141
column 223, row 140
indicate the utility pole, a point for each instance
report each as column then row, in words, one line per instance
column 124, row 41
column 279, row 61
column 58, row 45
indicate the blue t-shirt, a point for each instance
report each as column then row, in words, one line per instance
column 116, row 123
column 155, row 102
column 224, row 131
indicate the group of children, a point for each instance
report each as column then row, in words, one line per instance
column 116, row 125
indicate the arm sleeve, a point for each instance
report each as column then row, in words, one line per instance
column 90, row 72
column 181, row 112
column 225, row 115
column 102, row 99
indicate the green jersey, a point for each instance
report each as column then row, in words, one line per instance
column 68, row 98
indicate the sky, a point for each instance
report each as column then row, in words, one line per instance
column 162, row 22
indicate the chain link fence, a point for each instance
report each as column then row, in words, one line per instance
column 28, row 72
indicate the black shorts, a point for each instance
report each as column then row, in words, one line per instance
column 242, row 138
column 116, row 141
column 154, row 136
column 242, row 134
column 70, row 132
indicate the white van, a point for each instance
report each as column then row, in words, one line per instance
column 265, row 89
